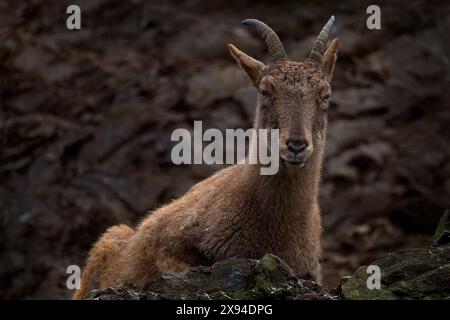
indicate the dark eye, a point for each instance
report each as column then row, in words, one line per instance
column 325, row 98
column 265, row 93
column 324, row 101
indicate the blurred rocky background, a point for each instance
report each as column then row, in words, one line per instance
column 86, row 117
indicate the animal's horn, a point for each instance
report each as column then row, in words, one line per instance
column 274, row 44
column 321, row 42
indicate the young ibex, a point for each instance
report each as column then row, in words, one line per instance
column 238, row 211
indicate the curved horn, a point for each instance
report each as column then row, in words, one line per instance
column 276, row 49
column 321, row 42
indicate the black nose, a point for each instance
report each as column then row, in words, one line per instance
column 297, row 146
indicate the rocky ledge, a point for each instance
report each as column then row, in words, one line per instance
column 234, row 278
column 405, row 274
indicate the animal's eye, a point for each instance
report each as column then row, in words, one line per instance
column 324, row 101
column 265, row 93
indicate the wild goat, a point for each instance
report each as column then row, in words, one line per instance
column 238, row 211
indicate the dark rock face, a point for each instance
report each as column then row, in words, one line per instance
column 234, row 278
column 86, row 119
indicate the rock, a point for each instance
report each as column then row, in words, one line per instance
column 191, row 44
column 215, row 83
column 38, row 61
column 348, row 163
column 442, row 234
column 409, row 273
column 343, row 134
column 356, row 101
column 234, row 278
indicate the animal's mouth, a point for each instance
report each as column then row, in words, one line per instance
column 294, row 163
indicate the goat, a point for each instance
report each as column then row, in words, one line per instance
column 238, row 211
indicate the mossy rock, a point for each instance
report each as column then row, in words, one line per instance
column 234, row 278
column 410, row 273
column 405, row 274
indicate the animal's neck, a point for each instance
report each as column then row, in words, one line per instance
column 291, row 189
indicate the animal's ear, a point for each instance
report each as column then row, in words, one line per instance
column 251, row 66
column 329, row 59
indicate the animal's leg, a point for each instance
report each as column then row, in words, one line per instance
column 171, row 263
column 100, row 258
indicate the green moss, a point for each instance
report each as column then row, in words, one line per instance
column 356, row 288
column 442, row 234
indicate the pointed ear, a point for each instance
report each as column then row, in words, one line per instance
column 329, row 59
column 251, row 66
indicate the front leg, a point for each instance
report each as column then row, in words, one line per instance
column 180, row 260
column 171, row 263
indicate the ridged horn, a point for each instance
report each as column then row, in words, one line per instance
column 274, row 44
column 321, row 42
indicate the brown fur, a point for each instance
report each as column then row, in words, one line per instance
column 237, row 211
